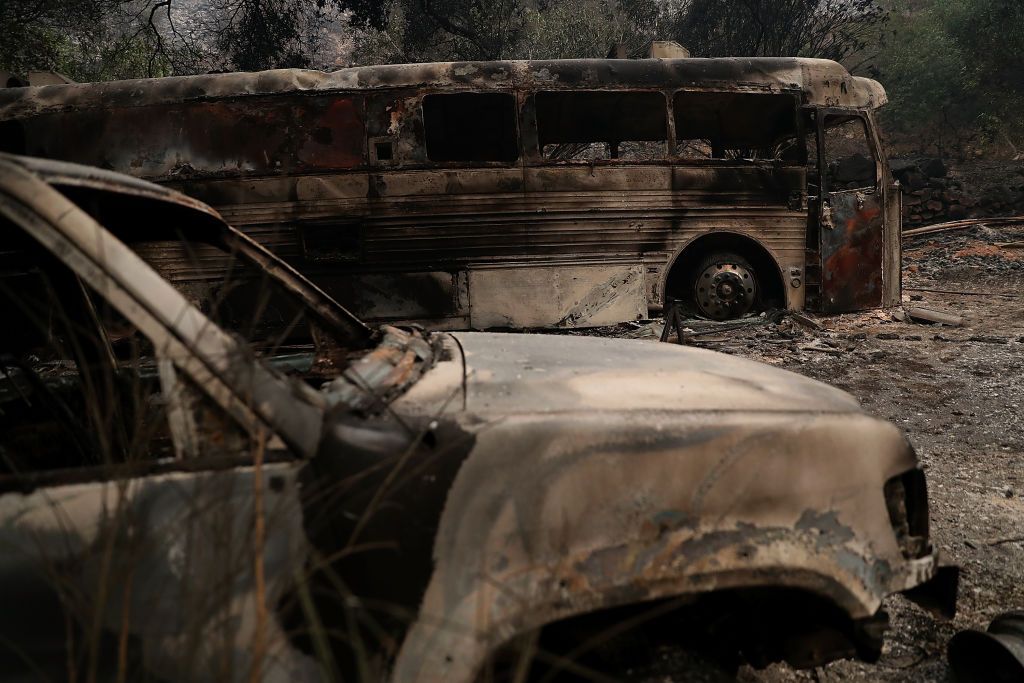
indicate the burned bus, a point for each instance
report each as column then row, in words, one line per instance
column 517, row 193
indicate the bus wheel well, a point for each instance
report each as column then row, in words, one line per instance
column 679, row 280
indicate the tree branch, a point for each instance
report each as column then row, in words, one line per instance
column 453, row 28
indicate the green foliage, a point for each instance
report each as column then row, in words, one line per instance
column 428, row 30
column 923, row 69
column 90, row 40
column 830, row 29
column 263, row 35
column 443, row 30
column 588, row 28
column 953, row 72
column 78, row 38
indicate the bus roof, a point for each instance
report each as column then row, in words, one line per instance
column 822, row 82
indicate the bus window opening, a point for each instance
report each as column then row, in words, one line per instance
column 849, row 163
column 719, row 125
column 469, row 126
column 591, row 126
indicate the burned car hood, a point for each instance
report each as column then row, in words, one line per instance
column 518, row 373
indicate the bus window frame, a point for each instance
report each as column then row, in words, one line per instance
column 870, row 135
column 534, row 155
column 800, row 131
column 421, row 135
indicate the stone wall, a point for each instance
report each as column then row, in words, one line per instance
column 934, row 192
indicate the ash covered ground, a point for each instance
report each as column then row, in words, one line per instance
column 958, row 393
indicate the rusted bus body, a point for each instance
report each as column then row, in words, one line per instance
column 428, row 192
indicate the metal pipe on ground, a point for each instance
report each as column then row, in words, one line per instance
column 963, row 225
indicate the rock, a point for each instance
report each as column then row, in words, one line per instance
column 933, row 205
column 903, row 165
column 997, row 194
column 957, row 212
column 854, row 169
column 933, row 168
column 887, row 335
column 914, row 180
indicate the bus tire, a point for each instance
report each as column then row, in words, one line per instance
column 724, row 287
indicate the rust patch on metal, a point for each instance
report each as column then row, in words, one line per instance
column 851, row 254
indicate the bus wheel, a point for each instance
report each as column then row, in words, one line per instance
column 724, row 286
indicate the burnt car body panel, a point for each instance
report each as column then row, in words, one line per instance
column 718, row 475
column 349, row 192
column 521, row 480
column 182, row 566
column 566, row 373
column 66, row 532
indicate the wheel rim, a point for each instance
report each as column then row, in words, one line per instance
column 725, row 290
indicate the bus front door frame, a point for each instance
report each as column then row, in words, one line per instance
column 852, row 229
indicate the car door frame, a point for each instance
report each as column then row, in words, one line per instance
column 257, row 399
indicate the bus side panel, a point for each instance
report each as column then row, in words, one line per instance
column 606, row 219
column 277, row 134
column 326, row 226
column 567, row 296
column 646, row 214
column 439, row 299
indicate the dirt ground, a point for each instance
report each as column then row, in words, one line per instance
column 958, row 393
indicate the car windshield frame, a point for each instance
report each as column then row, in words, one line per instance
column 242, row 385
column 207, row 227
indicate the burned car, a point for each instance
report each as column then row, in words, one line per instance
column 180, row 502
